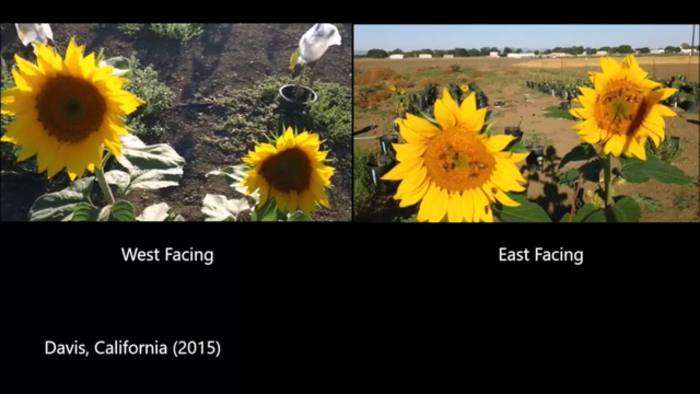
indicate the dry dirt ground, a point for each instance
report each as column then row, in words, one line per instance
column 505, row 80
column 224, row 59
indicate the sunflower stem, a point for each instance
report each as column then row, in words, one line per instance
column 608, row 183
column 100, row 175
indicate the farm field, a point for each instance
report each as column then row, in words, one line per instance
column 505, row 80
column 210, row 96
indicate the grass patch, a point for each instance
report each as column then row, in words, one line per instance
column 533, row 138
column 177, row 31
column 665, row 151
column 130, row 29
column 255, row 111
column 557, row 113
column 433, row 72
column 157, row 95
column 683, row 201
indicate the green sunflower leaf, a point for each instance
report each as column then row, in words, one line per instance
column 150, row 166
column 581, row 214
column 584, row 151
column 649, row 203
column 84, row 212
column 298, row 216
column 638, row 171
column 625, row 210
column 267, row 213
column 123, row 211
column 517, row 147
column 569, row 178
column 60, row 205
column 526, row 212
column 591, row 171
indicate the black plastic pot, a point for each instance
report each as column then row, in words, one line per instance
column 515, row 132
column 565, row 105
column 376, row 172
column 289, row 100
column 535, row 160
column 689, row 105
column 386, row 141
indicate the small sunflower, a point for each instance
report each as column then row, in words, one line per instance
column 292, row 171
column 455, row 169
column 622, row 111
column 67, row 110
column 464, row 88
column 401, row 91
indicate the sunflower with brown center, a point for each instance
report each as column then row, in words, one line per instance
column 454, row 170
column 292, row 171
column 622, row 111
column 68, row 110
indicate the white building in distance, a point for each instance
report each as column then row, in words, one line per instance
column 687, row 51
column 657, row 51
column 425, row 56
column 396, row 56
column 521, row 55
column 493, row 54
column 449, row 56
column 601, row 53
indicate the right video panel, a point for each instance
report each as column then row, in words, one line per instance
column 526, row 123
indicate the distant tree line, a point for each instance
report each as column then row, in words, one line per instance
column 485, row 51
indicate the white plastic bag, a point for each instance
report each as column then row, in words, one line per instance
column 29, row 33
column 315, row 42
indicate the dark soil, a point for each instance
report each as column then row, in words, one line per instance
column 225, row 58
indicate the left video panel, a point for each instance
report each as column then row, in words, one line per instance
column 176, row 122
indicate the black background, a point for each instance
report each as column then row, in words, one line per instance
column 291, row 303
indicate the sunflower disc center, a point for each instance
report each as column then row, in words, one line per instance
column 70, row 108
column 621, row 108
column 288, row 170
column 456, row 160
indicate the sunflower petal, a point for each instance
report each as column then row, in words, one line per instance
column 444, row 116
column 415, row 196
column 403, row 169
column 454, row 209
column 467, row 206
column 439, row 208
column 427, row 203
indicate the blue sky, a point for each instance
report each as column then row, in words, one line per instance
column 411, row 37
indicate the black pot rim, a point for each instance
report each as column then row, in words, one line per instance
column 293, row 101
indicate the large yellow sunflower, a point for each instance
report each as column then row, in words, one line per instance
column 293, row 172
column 622, row 111
column 455, row 169
column 67, row 110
